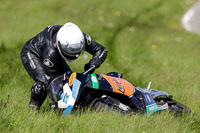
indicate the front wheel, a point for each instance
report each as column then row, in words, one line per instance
column 109, row 104
column 175, row 107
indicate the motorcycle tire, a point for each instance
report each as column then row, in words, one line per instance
column 101, row 106
column 177, row 108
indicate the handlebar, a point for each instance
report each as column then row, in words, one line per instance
column 89, row 70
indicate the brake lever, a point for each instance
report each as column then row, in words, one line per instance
column 89, row 70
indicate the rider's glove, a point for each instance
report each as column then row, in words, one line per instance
column 87, row 66
column 95, row 62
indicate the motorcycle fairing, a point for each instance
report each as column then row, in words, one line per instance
column 98, row 82
column 120, row 86
column 69, row 97
column 55, row 89
column 151, row 105
column 160, row 94
column 66, row 97
column 109, row 83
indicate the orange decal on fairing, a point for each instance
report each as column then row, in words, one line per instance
column 120, row 85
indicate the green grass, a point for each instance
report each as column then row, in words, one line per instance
column 145, row 41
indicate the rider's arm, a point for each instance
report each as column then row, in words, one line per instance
column 98, row 51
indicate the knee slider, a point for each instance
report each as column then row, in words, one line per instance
column 38, row 89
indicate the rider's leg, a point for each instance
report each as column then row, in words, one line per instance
column 35, row 68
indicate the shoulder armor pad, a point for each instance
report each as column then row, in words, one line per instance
column 88, row 39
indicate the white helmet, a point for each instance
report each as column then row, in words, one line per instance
column 70, row 41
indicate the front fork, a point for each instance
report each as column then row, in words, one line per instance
column 144, row 102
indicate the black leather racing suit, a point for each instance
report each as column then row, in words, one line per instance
column 43, row 62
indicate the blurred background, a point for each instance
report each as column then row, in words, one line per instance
column 140, row 35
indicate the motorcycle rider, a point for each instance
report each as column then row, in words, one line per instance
column 45, row 56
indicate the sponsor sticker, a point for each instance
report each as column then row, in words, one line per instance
column 119, row 85
column 65, row 98
column 95, row 82
column 48, row 63
column 154, row 107
column 32, row 64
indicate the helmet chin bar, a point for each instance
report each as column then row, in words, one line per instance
column 72, row 60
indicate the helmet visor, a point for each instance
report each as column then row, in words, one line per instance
column 70, row 56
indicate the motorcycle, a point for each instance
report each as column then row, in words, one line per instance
column 108, row 92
